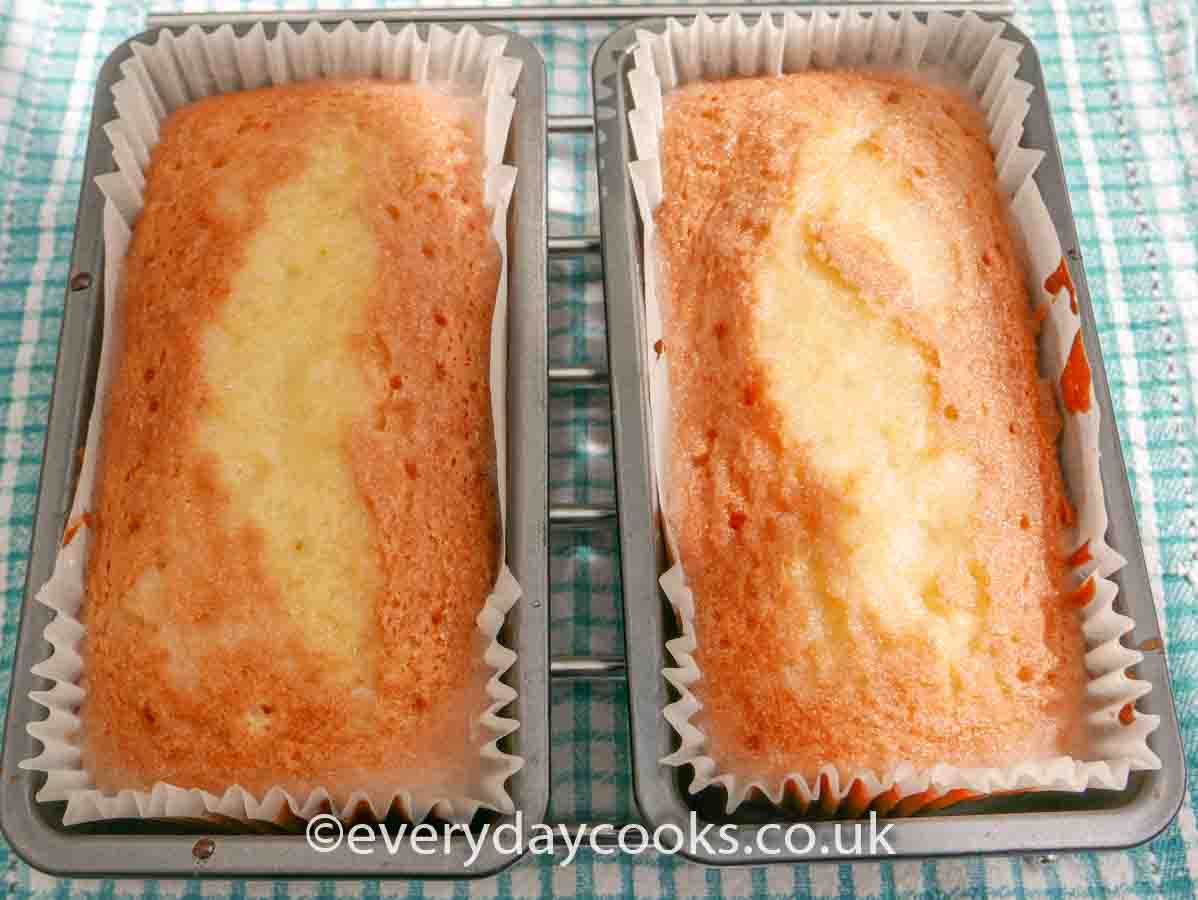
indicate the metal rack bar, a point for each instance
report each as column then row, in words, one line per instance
column 577, row 668
column 573, row 245
column 535, row 14
column 579, row 377
column 571, row 124
column 581, row 515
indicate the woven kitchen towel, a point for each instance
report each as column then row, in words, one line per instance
column 1124, row 92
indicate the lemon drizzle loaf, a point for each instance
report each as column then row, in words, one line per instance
column 862, row 474
column 296, row 513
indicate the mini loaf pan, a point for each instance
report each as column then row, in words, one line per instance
column 170, row 849
column 1029, row 823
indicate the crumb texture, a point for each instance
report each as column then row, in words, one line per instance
column 296, row 512
column 862, row 465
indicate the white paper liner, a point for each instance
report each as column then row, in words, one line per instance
column 970, row 52
column 158, row 79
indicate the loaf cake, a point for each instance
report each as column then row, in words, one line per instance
column 862, row 477
column 296, row 515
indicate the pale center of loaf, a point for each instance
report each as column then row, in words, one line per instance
column 286, row 387
column 896, row 559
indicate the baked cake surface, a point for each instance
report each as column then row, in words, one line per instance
column 863, row 479
column 296, row 510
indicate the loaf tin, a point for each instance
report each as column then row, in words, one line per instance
column 1045, row 822
column 138, row 847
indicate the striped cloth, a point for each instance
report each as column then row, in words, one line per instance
column 1124, row 91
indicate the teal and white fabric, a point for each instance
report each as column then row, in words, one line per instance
column 1123, row 85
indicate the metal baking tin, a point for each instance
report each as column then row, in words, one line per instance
column 1032, row 823
column 159, row 849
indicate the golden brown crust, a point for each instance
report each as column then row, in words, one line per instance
column 789, row 684
column 207, row 680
